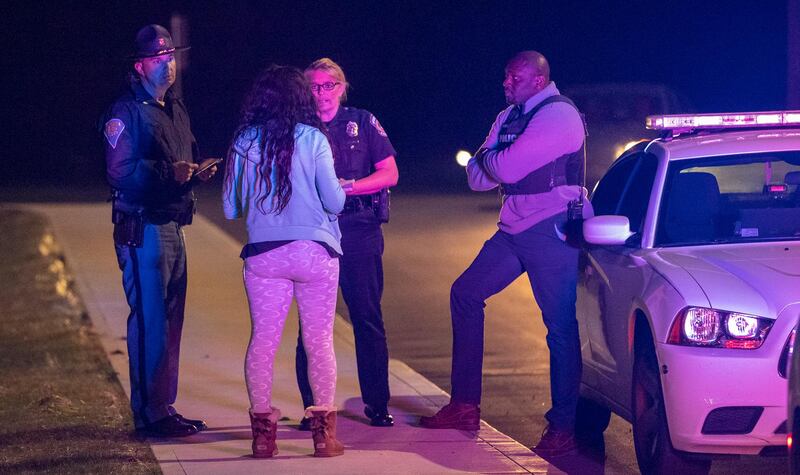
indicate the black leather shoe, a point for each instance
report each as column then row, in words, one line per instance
column 378, row 418
column 305, row 424
column 169, row 426
column 198, row 423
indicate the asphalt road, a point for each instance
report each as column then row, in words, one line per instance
column 430, row 240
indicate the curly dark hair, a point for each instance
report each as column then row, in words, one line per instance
column 279, row 99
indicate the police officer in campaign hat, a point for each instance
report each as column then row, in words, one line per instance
column 364, row 160
column 151, row 163
column 534, row 154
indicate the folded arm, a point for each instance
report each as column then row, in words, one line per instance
column 557, row 129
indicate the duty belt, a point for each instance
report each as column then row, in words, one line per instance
column 354, row 204
column 122, row 207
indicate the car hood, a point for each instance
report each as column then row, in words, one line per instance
column 755, row 278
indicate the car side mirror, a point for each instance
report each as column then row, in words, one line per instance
column 608, row 230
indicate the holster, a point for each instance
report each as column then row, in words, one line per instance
column 574, row 226
column 381, row 205
column 128, row 227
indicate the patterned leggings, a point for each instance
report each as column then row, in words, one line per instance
column 306, row 269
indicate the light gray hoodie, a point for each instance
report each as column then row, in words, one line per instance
column 317, row 197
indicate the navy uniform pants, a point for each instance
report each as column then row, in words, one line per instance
column 552, row 268
column 361, row 282
column 154, row 279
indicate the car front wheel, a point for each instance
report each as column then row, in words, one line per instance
column 651, row 440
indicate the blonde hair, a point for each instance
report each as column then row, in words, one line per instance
column 329, row 66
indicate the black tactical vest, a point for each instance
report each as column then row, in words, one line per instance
column 564, row 170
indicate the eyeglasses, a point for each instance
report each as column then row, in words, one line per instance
column 326, row 86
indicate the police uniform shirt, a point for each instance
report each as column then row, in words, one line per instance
column 143, row 140
column 359, row 142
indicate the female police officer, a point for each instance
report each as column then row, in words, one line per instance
column 365, row 164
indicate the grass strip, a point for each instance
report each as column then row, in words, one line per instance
column 62, row 408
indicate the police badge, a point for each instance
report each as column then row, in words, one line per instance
column 352, row 129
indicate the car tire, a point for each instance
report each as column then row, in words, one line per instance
column 651, row 440
column 591, row 420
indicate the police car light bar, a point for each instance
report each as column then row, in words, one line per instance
column 685, row 122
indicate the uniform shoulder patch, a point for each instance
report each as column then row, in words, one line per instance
column 112, row 130
column 374, row 122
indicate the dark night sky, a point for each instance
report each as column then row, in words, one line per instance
column 430, row 70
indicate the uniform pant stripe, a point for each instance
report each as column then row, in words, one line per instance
column 142, row 369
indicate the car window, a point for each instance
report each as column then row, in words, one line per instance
column 740, row 198
column 609, row 189
column 636, row 196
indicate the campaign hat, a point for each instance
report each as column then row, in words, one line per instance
column 153, row 40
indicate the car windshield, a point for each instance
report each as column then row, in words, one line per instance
column 738, row 198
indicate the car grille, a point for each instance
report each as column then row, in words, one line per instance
column 732, row 420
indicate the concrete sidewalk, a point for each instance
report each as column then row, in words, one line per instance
column 215, row 336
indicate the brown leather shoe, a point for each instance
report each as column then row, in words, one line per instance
column 455, row 415
column 555, row 443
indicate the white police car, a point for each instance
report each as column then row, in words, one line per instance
column 689, row 289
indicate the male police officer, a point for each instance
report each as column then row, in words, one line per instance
column 151, row 159
column 534, row 153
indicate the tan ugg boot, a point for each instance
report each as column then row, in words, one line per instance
column 265, row 429
column 323, row 431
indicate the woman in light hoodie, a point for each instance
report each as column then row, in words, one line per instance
column 279, row 176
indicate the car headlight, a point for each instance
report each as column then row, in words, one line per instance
column 741, row 326
column 699, row 326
